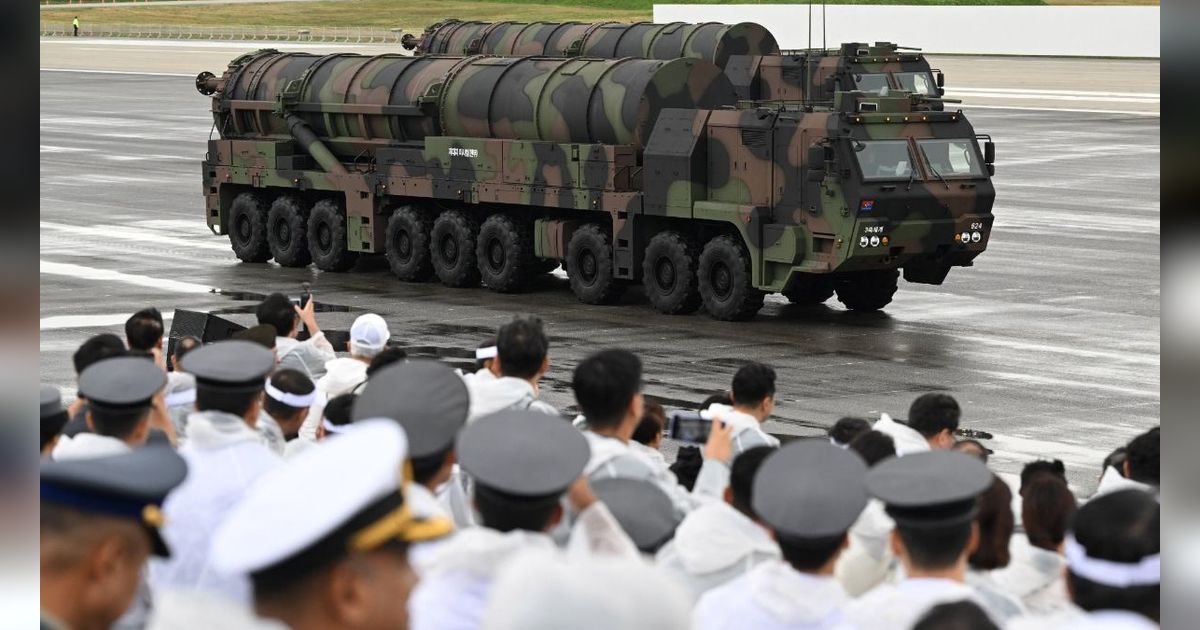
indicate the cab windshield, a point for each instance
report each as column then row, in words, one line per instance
column 916, row 82
column 870, row 82
column 952, row 158
column 883, row 159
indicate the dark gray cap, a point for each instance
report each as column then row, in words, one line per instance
column 644, row 511
column 811, row 489
column 122, row 382
column 131, row 485
column 930, row 489
column 232, row 365
column 427, row 398
column 523, row 453
column 51, row 402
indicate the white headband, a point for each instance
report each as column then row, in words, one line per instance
column 489, row 352
column 1145, row 572
column 291, row 400
column 181, row 398
column 335, row 428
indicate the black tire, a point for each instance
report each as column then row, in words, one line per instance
column 669, row 274
column 590, row 265
column 327, row 242
column 287, row 233
column 248, row 228
column 452, row 249
column 867, row 290
column 726, row 283
column 809, row 289
column 504, row 251
column 407, row 244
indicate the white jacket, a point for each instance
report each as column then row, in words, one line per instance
column 773, row 596
column 491, row 395
column 180, row 610
column 1095, row 620
column 1035, row 577
column 747, row 430
column 342, row 376
column 1112, row 480
column 714, row 544
column 908, row 440
column 87, row 446
column 868, row 561
column 224, row 457
column 897, row 606
column 1002, row 605
column 308, row 356
column 612, row 458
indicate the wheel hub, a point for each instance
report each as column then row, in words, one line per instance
column 587, row 266
column 243, row 228
column 284, row 232
column 664, row 272
column 449, row 249
column 722, row 282
column 402, row 245
column 325, row 237
column 496, row 254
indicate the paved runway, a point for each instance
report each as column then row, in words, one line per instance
column 1051, row 342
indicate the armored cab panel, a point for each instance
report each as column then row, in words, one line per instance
column 675, row 172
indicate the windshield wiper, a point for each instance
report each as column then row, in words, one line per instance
column 912, row 174
column 934, row 168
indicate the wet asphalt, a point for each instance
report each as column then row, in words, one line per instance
column 1050, row 342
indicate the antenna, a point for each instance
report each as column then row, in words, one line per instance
column 824, row 46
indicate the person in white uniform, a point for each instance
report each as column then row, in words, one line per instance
column 931, row 497
column 120, row 393
column 809, row 493
column 932, row 420
column 1114, row 570
column 287, row 397
column 753, row 393
column 225, row 457
column 324, row 539
column 1036, row 575
column 522, row 358
column 308, row 356
column 522, row 464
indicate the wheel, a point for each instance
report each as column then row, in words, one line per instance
column 590, row 265
column 248, row 228
column 504, row 251
column 867, row 290
column 452, row 249
column 809, row 289
column 327, row 242
column 407, row 244
column 669, row 274
column 726, row 283
column 286, row 232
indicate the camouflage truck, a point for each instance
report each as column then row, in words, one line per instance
column 746, row 51
column 488, row 170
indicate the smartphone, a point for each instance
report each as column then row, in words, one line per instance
column 688, row 426
column 303, row 298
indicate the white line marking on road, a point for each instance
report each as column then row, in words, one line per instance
column 1064, row 109
column 1137, row 100
column 128, row 233
column 145, row 74
column 60, row 322
column 1062, row 382
column 92, row 273
column 1031, row 91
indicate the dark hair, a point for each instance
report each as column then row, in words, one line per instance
column 966, row 445
column 1115, row 459
column 425, row 468
column 288, row 381
column 1046, row 507
column 95, row 349
column 1144, row 457
column 741, row 477
column 964, row 615
column 185, row 345
column 117, row 423
column 605, row 383
column 386, row 357
column 996, row 523
column 752, row 383
column 930, row 413
column 52, row 426
column 505, row 512
column 337, row 410
column 144, row 329
column 278, row 311
column 873, row 446
column 808, row 554
column 846, row 429
column 1037, row 468
column 721, row 398
column 482, row 363
column 522, row 346
column 654, row 418
column 686, row 467
column 1121, row 526
column 935, row 547
column 234, row 402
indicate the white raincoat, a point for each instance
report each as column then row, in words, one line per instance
column 897, row 606
column 342, row 376
column 908, row 440
column 1035, row 577
column 1112, row 480
column 205, row 611
column 491, row 395
column 612, row 458
column 87, row 446
column 868, row 561
column 1095, row 620
column 714, row 544
column 773, row 596
column 308, row 356
column 996, row 599
column 747, row 430
column 224, row 457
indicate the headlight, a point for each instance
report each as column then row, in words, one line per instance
column 863, row 241
column 975, row 237
column 965, row 237
column 874, row 241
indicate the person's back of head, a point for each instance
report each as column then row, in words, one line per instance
column 873, row 446
column 964, row 615
column 121, row 424
column 846, row 429
column 144, row 329
column 1143, row 457
column 95, row 349
column 1037, row 468
column 1047, row 505
column 522, row 347
column 996, row 524
column 338, row 412
column 740, row 494
column 278, row 311
column 1113, row 554
column 386, row 357
column 369, row 335
column 753, row 383
column 605, row 385
column 1115, row 459
column 650, row 429
column 286, row 392
column 935, row 547
column 933, row 415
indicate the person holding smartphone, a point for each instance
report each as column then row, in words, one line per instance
column 753, row 402
column 308, row 356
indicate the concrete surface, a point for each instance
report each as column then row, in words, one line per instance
column 1050, row 343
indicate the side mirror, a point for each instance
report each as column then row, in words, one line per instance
column 941, row 79
column 989, row 152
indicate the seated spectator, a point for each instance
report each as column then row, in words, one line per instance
column 486, row 367
column 753, row 395
column 120, row 392
column 1035, row 574
column 1138, row 468
column 647, row 437
column 972, row 447
column 287, row 398
column 721, row 540
column 644, row 511
column 308, row 356
column 932, row 420
column 336, row 416
column 522, row 352
column 873, row 446
column 1037, row 468
column 54, row 418
column 388, row 356
column 964, row 615
column 369, row 335
column 995, row 523
column 95, row 349
column 846, row 429
column 180, row 393
column 144, row 331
